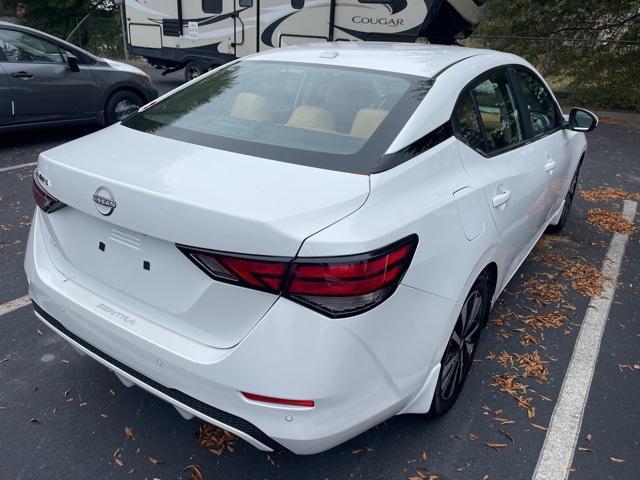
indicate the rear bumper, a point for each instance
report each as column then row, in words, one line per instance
column 180, row 400
column 359, row 371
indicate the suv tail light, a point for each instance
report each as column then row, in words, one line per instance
column 335, row 286
column 47, row 202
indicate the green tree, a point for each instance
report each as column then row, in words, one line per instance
column 583, row 47
column 60, row 17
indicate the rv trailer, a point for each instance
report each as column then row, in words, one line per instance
column 198, row 35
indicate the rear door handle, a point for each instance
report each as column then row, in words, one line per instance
column 23, row 75
column 501, row 198
column 549, row 166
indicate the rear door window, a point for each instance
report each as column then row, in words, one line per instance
column 468, row 125
column 486, row 117
column 541, row 107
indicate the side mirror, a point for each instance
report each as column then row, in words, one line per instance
column 245, row 3
column 72, row 61
column 581, row 120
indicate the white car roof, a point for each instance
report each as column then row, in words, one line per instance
column 411, row 58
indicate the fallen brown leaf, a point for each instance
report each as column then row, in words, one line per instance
column 129, row 432
column 506, row 434
column 154, row 460
column 119, row 462
column 196, row 473
column 496, row 446
column 503, row 421
column 617, row 460
column 539, row 427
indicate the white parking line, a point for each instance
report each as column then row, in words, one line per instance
column 15, row 167
column 14, row 305
column 559, row 446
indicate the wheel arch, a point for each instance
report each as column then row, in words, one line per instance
column 122, row 88
column 491, row 271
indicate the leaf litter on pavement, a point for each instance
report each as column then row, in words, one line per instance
column 215, row 439
column 610, row 221
column 539, row 304
column 604, row 194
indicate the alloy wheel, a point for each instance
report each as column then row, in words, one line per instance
column 459, row 353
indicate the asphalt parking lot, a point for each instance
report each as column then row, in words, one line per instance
column 64, row 416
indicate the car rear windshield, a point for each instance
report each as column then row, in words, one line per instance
column 322, row 116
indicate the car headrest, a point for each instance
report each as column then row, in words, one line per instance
column 367, row 121
column 312, row 118
column 249, row 106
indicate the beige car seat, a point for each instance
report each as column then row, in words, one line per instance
column 367, row 121
column 250, row 106
column 311, row 117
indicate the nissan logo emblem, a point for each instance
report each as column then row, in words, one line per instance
column 104, row 200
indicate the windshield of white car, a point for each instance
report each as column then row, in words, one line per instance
column 323, row 116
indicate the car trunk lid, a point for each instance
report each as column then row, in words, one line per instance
column 161, row 192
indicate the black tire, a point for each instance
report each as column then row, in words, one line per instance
column 192, row 70
column 566, row 209
column 461, row 348
column 121, row 104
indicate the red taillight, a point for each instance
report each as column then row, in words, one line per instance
column 334, row 286
column 44, row 200
column 261, row 273
column 278, row 401
column 344, row 286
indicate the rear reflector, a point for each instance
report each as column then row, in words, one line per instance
column 335, row 286
column 47, row 202
column 278, row 401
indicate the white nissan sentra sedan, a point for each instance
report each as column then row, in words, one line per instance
column 308, row 241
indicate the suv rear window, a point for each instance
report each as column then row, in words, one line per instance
column 322, row 116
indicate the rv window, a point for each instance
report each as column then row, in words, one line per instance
column 297, row 4
column 376, row 1
column 212, row 6
column 245, row 3
column 323, row 116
